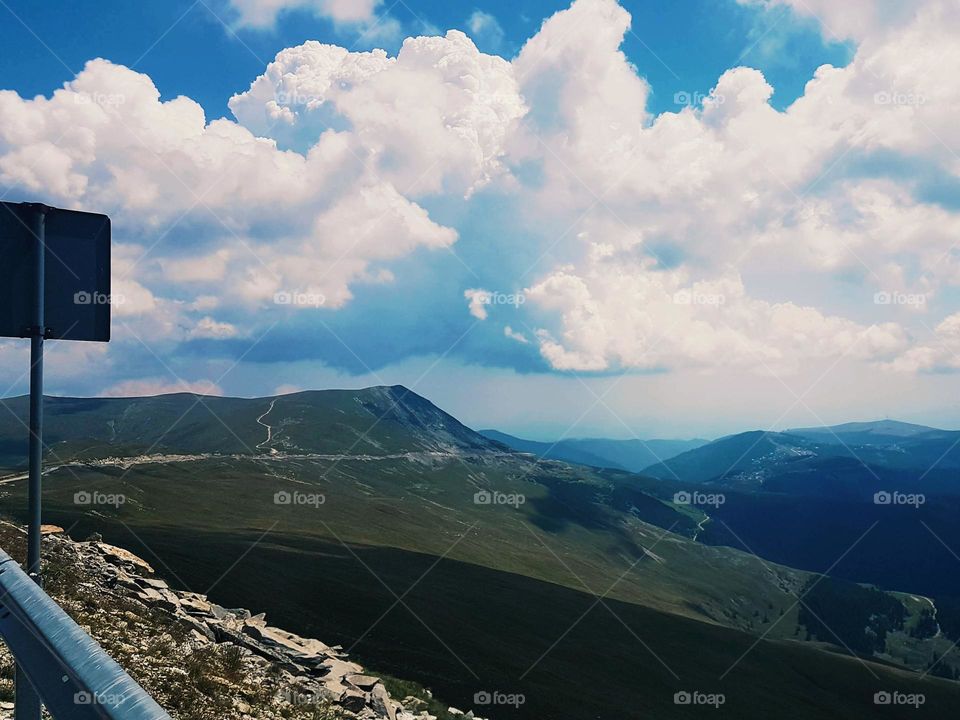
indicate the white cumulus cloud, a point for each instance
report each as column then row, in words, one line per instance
column 710, row 200
column 433, row 119
column 478, row 300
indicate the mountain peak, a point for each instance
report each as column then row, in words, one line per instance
column 378, row 420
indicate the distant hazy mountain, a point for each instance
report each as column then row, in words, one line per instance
column 560, row 451
column 744, row 459
column 878, row 432
column 852, row 458
column 630, row 455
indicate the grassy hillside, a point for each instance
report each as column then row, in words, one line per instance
column 465, row 629
column 427, row 505
column 375, row 421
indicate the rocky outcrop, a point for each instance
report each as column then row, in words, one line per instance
column 300, row 671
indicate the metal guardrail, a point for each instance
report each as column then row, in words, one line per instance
column 72, row 675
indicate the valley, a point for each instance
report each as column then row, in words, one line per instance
column 374, row 519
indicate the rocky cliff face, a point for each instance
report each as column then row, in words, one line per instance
column 199, row 660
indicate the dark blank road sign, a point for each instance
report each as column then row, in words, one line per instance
column 77, row 287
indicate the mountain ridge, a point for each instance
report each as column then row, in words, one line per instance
column 888, row 451
column 320, row 421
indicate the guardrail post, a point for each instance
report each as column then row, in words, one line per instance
column 26, row 702
column 73, row 677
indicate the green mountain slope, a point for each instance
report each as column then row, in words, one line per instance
column 375, row 421
column 463, row 629
column 809, row 499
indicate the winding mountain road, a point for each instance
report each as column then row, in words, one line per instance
column 273, row 451
column 696, row 533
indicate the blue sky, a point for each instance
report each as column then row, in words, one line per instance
column 641, row 219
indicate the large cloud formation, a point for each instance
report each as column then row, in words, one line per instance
column 655, row 236
column 735, row 188
column 433, row 119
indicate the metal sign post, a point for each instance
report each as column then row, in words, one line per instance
column 27, row 702
column 55, row 264
column 38, row 331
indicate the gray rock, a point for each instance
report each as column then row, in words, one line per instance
column 381, row 703
column 195, row 605
column 414, row 703
column 155, row 583
column 223, row 613
column 352, row 700
column 364, row 682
